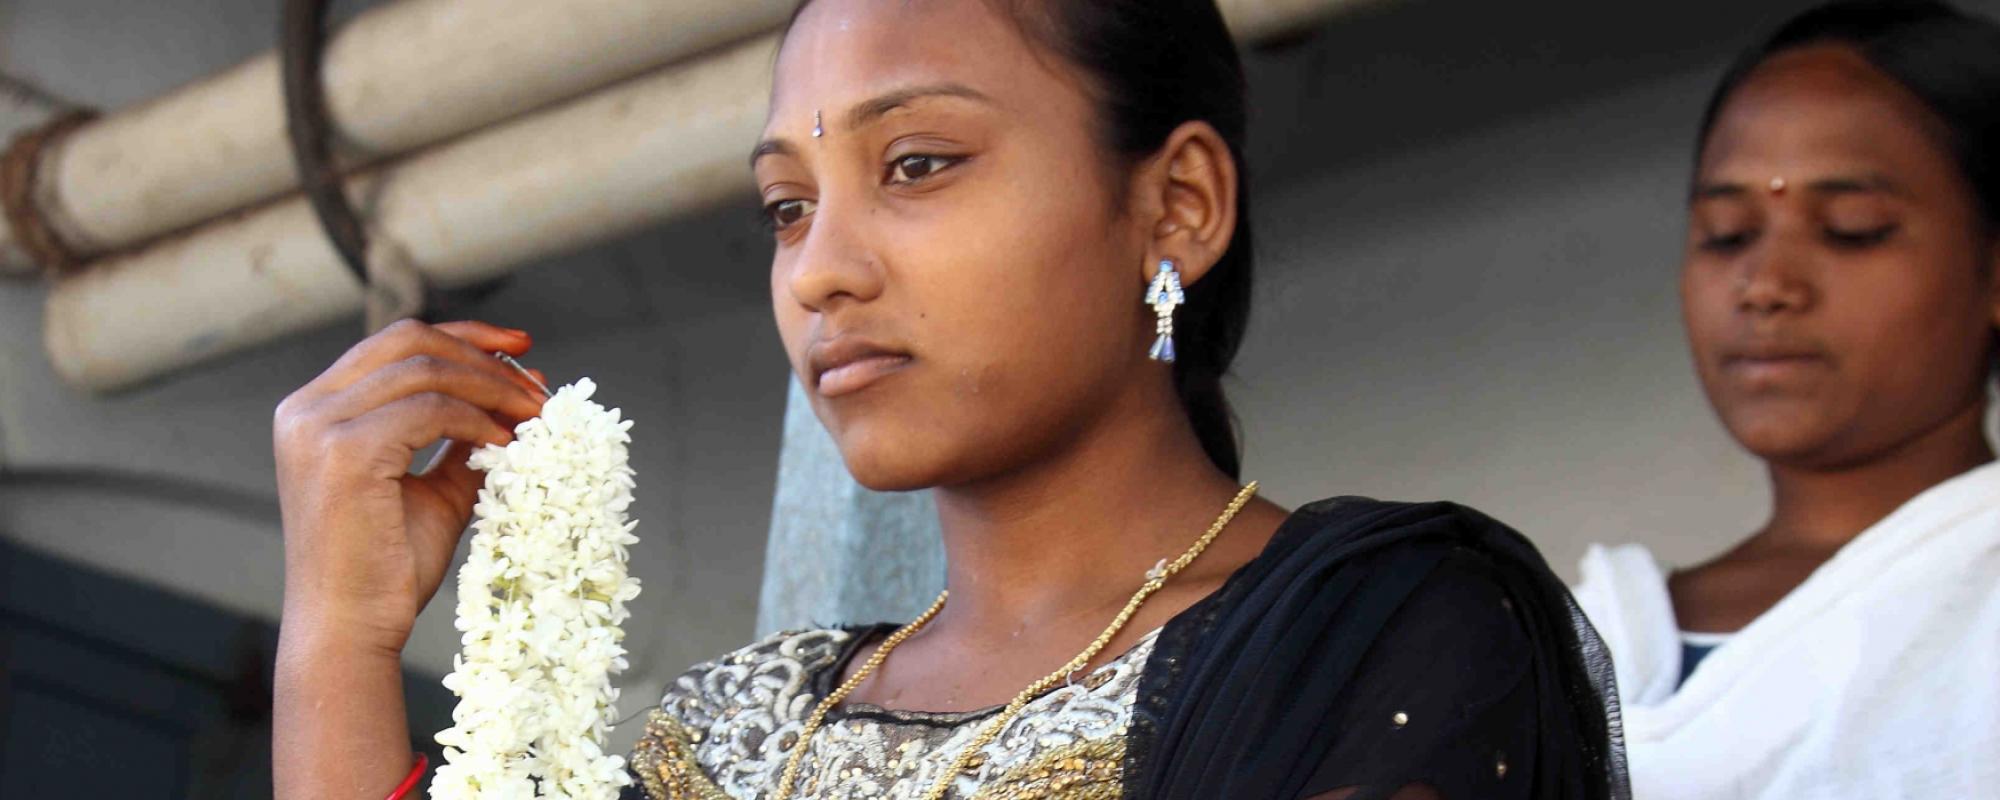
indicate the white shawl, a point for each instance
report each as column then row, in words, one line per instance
column 1878, row 677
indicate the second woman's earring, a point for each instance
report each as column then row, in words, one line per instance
column 1164, row 296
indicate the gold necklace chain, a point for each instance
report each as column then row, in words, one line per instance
column 1155, row 578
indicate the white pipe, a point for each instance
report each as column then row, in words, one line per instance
column 658, row 147
column 651, row 149
column 398, row 77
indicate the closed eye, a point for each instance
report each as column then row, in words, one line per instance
column 1861, row 238
column 1727, row 242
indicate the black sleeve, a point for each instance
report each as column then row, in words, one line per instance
column 634, row 790
column 1445, row 698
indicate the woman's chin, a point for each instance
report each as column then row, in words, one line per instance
column 1799, row 442
column 890, row 481
column 893, row 469
column 901, row 452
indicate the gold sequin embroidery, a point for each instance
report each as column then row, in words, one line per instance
column 664, row 761
column 1088, row 770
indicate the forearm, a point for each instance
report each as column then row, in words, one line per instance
column 338, row 727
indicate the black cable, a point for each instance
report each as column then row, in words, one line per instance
column 302, row 37
column 302, row 45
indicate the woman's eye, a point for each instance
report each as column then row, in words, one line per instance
column 1857, row 238
column 1725, row 242
column 910, row 169
column 782, row 214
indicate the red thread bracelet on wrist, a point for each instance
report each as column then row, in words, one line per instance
column 410, row 781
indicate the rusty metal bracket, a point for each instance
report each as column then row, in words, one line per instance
column 19, row 167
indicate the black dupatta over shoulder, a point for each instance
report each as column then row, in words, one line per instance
column 1374, row 647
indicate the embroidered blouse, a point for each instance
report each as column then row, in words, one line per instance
column 725, row 728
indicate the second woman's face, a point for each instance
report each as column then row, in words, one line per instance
column 1837, row 288
column 952, row 280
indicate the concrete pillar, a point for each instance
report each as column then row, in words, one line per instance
column 839, row 553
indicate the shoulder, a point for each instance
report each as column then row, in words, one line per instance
column 1463, row 613
column 1608, row 567
column 1447, row 694
column 1450, row 593
column 1473, row 665
column 1435, row 577
column 1617, row 582
column 1622, row 591
column 1356, row 517
column 1367, row 534
column 771, row 672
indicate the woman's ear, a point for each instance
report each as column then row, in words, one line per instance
column 1188, row 189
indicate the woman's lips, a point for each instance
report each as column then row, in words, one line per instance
column 854, row 376
column 1765, row 368
column 847, row 364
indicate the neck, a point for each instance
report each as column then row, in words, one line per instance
column 1074, row 533
column 1822, row 509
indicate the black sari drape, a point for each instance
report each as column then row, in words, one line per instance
column 1375, row 646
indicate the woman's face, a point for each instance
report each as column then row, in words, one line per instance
column 955, row 286
column 1838, row 286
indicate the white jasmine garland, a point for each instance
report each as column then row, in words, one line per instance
column 540, row 602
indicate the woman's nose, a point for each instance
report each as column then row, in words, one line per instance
column 833, row 261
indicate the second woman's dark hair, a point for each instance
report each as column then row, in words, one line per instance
column 1948, row 59
column 1154, row 64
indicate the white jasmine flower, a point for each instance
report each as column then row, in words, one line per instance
column 540, row 601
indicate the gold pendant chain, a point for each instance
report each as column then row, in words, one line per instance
column 1155, row 579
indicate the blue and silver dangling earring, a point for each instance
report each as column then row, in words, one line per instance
column 1164, row 296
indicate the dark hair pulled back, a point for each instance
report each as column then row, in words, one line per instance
column 1948, row 59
